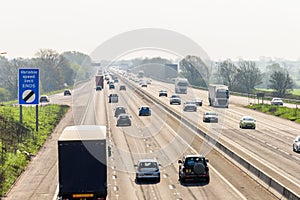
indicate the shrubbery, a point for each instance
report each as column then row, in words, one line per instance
column 292, row 114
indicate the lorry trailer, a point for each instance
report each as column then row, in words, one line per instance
column 82, row 169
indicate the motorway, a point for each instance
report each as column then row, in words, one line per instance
column 167, row 139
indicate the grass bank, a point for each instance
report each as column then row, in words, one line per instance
column 292, row 114
column 19, row 142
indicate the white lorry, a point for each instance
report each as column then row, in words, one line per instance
column 181, row 85
column 218, row 96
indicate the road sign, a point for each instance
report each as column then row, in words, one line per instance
column 29, row 86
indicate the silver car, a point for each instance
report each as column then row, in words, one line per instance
column 210, row 117
column 296, row 145
column 190, row 106
column 147, row 169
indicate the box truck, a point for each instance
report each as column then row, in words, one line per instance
column 181, row 85
column 99, row 81
column 218, row 96
column 82, row 169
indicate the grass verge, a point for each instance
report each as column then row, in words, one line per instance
column 19, row 142
column 292, row 114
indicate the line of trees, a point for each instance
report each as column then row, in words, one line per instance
column 242, row 76
column 56, row 71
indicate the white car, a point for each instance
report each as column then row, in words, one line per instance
column 296, row 145
column 190, row 106
column 277, row 102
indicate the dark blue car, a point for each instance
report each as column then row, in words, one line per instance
column 144, row 111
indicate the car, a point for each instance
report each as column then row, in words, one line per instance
column 163, row 93
column 175, row 99
column 197, row 101
column 116, row 80
column 124, row 120
column 144, row 111
column 67, row 93
column 147, row 169
column 111, row 86
column 210, row 116
column 122, row 87
column 98, row 88
column 44, row 99
column 247, row 122
column 149, row 81
column 296, row 145
column 144, row 84
column 190, row 106
column 193, row 168
column 277, row 102
column 113, row 98
column 119, row 110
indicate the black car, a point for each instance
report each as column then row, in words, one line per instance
column 163, row 93
column 123, row 120
column 98, row 88
column 193, row 168
column 111, row 86
column 67, row 93
column 44, row 99
column 122, row 87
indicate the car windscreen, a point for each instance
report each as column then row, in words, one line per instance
column 148, row 165
column 192, row 161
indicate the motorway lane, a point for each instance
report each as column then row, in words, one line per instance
column 272, row 134
column 127, row 142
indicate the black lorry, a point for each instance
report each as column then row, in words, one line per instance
column 82, row 168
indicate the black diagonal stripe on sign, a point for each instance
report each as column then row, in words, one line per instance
column 29, row 95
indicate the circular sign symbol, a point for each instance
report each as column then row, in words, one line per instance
column 28, row 96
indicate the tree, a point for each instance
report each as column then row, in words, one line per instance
column 195, row 70
column 281, row 82
column 55, row 70
column 4, row 94
column 227, row 72
column 248, row 76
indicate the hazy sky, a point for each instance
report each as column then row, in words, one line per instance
column 223, row 28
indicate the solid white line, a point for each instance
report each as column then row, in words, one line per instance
column 55, row 194
column 228, row 183
column 222, row 177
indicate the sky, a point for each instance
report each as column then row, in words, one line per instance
column 225, row 29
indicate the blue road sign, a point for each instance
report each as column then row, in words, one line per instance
column 29, row 86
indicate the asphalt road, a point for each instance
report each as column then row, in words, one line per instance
column 160, row 136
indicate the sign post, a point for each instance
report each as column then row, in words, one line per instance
column 28, row 90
